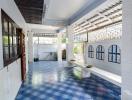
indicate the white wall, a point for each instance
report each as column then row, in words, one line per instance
column 10, row 77
column 10, row 81
column 104, row 64
column 42, row 49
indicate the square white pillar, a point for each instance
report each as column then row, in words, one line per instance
column 1, row 45
column 85, row 53
column 127, row 51
column 70, row 44
column 59, row 52
column 30, row 46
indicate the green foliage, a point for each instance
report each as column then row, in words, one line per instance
column 5, row 40
column 75, row 50
column 78, row 48
column 63, row 40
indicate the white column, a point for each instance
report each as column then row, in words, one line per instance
column 26, row 49
column 1, row 45
column 127, row 51
column 85, row 52
column 59, row 47
column 69, row 45
column 30, row 46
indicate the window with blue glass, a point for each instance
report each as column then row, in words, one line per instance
column 90, row 51
column 100, row 52
column 114, row 54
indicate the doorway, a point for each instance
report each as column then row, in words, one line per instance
column 21, row 40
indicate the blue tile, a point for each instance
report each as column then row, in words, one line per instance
column 46, row 81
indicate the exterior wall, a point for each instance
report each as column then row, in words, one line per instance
column 104, row 64
column 10, row 76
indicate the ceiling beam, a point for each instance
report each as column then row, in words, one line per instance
column 30, row 8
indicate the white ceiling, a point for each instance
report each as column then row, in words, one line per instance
column 63, row 10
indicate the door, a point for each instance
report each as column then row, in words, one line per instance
column 23, row 55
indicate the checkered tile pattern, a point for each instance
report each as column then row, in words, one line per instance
column 50, row 83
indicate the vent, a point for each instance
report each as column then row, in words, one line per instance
column 107, row 14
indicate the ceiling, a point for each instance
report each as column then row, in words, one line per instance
column 53, row 12
column 61, row 11
column 65, row 9
column 32, row 10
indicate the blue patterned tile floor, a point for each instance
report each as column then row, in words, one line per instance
column 46, row 81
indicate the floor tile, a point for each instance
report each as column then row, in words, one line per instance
column 47, row 80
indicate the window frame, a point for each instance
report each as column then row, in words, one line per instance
column 11, row 35
column 115, row 54
column 100, row 52
column 90, row 51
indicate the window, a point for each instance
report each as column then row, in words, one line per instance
column 10, row 39
column 114, row 54
column 44, row 40
column 90, row 51
column 100, row 52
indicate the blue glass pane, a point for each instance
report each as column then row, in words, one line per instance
column 114, row 48
column 118, row 58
